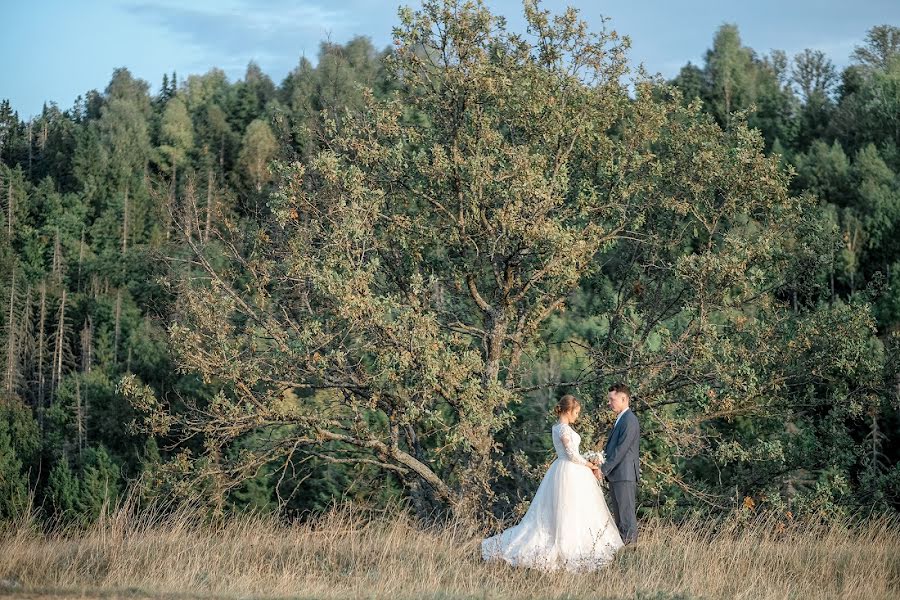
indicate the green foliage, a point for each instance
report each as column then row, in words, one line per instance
column 878, row 197
column 176, row 135
column 735, row 80
column 462, row 228
column 257, row 151
column 79, row 495
column 868, row 112
column 408, row 269
column 19, row 442
column 881, row 48
column 100, row 482
column 63, row 491
column 824, row 170
column 729, row 72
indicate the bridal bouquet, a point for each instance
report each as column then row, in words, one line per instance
column 598, row 458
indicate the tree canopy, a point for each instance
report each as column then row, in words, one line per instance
column 373, row 280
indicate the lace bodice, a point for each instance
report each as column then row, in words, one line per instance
column 566, row 442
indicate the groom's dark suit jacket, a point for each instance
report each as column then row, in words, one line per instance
column 622, row 462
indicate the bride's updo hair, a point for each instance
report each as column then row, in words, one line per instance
column 566, row 404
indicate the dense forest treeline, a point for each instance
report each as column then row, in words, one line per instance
column 786, row 397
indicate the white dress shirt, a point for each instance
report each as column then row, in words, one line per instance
column 619, row 417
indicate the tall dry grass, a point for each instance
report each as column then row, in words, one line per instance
column 352, row 554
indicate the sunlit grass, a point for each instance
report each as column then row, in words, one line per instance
column 347, row 553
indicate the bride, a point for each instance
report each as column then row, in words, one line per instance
column 568, row 524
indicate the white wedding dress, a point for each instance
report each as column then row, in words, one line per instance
column 568, row 525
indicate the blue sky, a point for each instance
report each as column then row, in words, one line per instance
column 54, row 50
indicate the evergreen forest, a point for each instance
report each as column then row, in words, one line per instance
column 373, row 280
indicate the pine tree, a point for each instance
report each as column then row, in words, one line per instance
column 80, row 418
column 13, row 481
column 9, row 129
column 10, row 208
column 117, row 325
column 41, row 353
column 824, row 170
column 60, row 346
column 63, row 490
column 25, row 341
column 12, row 375
column 87, row 345
column 164, row 90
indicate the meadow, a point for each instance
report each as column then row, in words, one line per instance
column 350, row 553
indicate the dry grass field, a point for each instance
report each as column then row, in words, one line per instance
column 350, row 554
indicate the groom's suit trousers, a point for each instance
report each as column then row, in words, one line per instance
column 622, row 503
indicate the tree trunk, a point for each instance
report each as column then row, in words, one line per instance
column 60, row 343
column 9, row 209
column 170, row 204
column 25, row 346
column 87, row 345
column 125, row 223
column 494, row 349
column 11, row 354
column 831, row 278
column 189, row 217
column 118, row 326
column 57, row 266
column 80, row 256
column 40, row 362
column 30, row 148
column 210, row 203
column 79, row 417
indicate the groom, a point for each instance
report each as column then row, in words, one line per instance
column 621, row 468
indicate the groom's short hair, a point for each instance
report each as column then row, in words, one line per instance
column 621, row 388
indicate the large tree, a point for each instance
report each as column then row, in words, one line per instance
column 259, row 148
column 882, row 46
column 388, row 312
